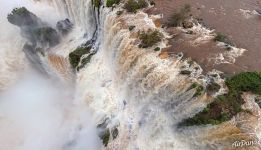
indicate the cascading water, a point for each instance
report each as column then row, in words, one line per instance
column 134, row 96
column 130, row 87
column 37, row 110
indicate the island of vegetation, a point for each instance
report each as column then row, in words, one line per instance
column 224, row 107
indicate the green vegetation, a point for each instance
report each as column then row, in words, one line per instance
column 19, row 11
column 106, row 137
column 110, row 3
column 246, row 82
column 149, row 38
column 21, row 16
column 134, row 5
column 33, row 29
column 75, row 57
column 179, row 17
column 221, row 110
column 223, row 38
column 96, row 3
column 115, row 133
column 85, row 61
column 157, row 49
column 194, row 85
column 228, row 105
column 199, row 89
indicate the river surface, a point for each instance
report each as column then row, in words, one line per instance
column 234, row 18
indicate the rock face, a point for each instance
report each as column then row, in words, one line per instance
column 258, row 11
column 187, row 24
column 105, row 133
column 64, row 26
column 46, row 36
column 40, row 36
column 23, row 17
column 33, row 28
column 32, row 55
column 212, row 88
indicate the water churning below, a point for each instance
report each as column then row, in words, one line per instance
column 38, row 113
column 124, row 97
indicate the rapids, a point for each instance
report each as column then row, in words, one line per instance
column 139, row 92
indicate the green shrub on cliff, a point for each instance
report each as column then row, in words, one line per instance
column 85, row 61
column 134, row 5
column 33, row 29
column 149, row 38
column 19, row 11
column 96, row 3
column 248, row 81
column 110, row 3
column 106, row 137
column 199, row 89
column 21, row 17
column 224, row 107
column 76, row 55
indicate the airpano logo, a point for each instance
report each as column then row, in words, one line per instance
column 244, row 143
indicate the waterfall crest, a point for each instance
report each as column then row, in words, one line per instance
column 81, row 12
column 139, row 92
column 135, row 96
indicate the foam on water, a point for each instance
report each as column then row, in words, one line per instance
column 37, row 111
column 140, row 93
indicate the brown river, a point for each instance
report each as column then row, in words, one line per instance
column 237, row 19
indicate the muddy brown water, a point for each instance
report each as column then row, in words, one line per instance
column 226, row 17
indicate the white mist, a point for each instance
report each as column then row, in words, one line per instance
column 36, row 112
column 39, row 114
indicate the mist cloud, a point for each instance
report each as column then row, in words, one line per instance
column 36, row 113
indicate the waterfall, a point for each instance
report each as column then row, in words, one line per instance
column 133, row 90
column 142, row 94
column 134, row 95
column 38, row 111
column 136, row 91
column 81, row 12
